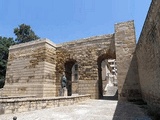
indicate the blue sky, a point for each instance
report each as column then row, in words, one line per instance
column 66, row 20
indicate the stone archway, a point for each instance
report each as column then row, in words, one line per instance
column 107, row 86
column 68, row 71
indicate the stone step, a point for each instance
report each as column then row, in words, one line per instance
column 110, row 91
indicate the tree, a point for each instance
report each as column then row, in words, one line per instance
column 5, row 43
column 24, row 34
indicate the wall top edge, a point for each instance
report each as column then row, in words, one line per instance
column 126, row 22
column 8, row 100
column 153, row 2
column 89, row 39
column 38, row 41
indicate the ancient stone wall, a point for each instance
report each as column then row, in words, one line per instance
column 148, row 56
column 29, row 104
column 31, row 69
column 86, row 53
column 35, row 68
column 128, row 79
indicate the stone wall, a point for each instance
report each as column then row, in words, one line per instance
column 35, row 68
column 148, row 55
column 29, row 104
column 86, row 53
column 31, row 69
column 128, row 79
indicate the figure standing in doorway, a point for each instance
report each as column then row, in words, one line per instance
column 63, row 85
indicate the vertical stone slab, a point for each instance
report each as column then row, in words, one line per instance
column 128, row 79
column 31, row 69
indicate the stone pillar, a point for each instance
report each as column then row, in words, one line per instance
column 65, row 91
column 31, row 69
column 128, row 78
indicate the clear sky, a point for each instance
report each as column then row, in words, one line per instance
column 66, row 20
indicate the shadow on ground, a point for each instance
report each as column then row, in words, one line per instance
column 131, row 90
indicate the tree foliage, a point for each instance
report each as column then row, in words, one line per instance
column 5, row 43
column 24, row 34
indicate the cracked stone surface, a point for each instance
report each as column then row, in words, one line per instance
column 87, row 110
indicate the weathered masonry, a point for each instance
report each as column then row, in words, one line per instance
column 148, row 57
column 35, row 68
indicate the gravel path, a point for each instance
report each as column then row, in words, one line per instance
column 88, row 110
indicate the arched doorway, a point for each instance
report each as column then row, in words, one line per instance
column 107, row 77
column 69, row 74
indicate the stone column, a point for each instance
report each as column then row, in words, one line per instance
column 128, row 78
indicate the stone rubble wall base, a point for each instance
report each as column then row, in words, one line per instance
column 28, row 104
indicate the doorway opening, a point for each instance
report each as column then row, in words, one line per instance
column 107, row 75
column 71, row 72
